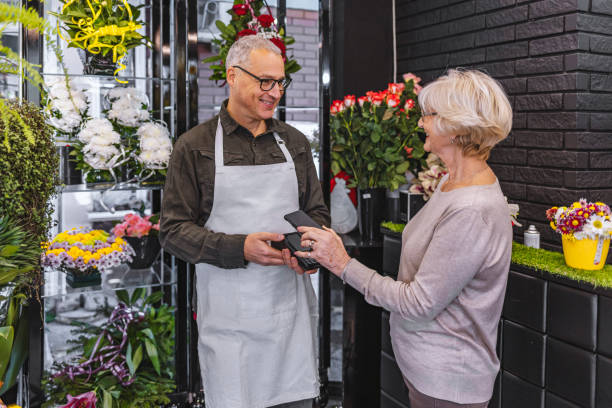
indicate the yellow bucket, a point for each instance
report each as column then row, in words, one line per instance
column 583, row 253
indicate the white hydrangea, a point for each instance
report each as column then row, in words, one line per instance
column 66, row 114
column 95, row 127
column 128, row 106
column 155, row 145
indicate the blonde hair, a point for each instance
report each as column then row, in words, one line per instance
column 471, row 106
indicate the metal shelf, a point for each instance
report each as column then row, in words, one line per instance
column 121, row 277
column 100, row 187
column 109, row 78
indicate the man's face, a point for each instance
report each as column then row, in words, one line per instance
column 245, row 91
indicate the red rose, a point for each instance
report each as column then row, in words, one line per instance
column 265, row 20
column 240, row 9
column 245, row 32
column 280, row 44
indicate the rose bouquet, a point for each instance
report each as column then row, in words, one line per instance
column 376, row 138
column 134, row 225
column 585, row 229
column 141, row 233
column 427, row 180
column 247, row 19
column 82, row 251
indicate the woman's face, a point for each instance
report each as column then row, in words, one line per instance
column 435, row 141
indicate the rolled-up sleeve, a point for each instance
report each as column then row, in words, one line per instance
column 182, row 231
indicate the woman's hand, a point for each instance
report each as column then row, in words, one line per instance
column 327, row 248
column 291, row 261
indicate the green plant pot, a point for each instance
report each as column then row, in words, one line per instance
column 78, row 280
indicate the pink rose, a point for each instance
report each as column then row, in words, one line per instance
column 409, row 104
column 361, row 100
column 410, row 76
column 396, row 88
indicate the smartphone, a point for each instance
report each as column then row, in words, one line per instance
column 301, row 219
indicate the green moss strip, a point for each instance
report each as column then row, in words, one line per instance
column 554, row 263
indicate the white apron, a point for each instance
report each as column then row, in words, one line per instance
column 257, row 325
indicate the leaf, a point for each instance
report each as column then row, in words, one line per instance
column 123, row 296
column 153, row 356
column 18, row 354
column 371, row 166
column 335, row 168
column 128, row 358
column 154, row 298
column 137, row 294
column 227, row 30
column 137, row 358
column 107, row 399
column 212, row 58
column 388, row 114
column 375, row 137
column 6, row 345
column 9, row 250
column 147, row 332
column 402, row 167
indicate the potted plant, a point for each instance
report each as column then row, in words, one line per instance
column 127, row 362
column 376, row 140
column 82, row 253
column 142, row 235
column 105, row 30
column 247, row 19
column 585, row 229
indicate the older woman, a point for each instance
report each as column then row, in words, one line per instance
column 445, row 305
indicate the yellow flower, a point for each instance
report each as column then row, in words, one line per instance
column 553, row 226
column 576, row 204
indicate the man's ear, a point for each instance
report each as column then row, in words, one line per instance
column 230, row 75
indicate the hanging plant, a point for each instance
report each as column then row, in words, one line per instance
column 106, row 30
column 247, row 19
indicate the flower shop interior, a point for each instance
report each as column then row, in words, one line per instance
column 94, row 94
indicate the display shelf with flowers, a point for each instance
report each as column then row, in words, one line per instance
column 586, row 230
column 82, row 253
column 142, row 235
column 247, row 19
column 105, row 30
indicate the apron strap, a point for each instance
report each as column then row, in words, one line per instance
column 219, row 147
column 281, row 143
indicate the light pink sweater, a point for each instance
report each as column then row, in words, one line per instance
column 447, row 301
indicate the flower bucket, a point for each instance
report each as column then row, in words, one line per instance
column 589, row 254
column 78, row 280
column 146, row 250
column 98, row 64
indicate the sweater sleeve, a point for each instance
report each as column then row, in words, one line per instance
column 455, row 254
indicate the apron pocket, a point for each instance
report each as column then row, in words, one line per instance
column 267, row 291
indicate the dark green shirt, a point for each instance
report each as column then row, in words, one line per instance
column 189, row 189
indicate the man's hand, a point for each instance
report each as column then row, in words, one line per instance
column 292, row 262
column 257, row 249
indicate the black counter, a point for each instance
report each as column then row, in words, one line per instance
column 554, row 342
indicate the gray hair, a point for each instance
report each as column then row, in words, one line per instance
column 240, row 51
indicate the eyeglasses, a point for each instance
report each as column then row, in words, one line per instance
column 266, row 84
column 429, row 114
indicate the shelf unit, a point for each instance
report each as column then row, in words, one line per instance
column 166, row 72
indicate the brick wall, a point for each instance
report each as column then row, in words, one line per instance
column 554, row 58
column 303, row 25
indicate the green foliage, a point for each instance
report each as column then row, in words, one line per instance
column 369, row 142
column 149, row 355
column 229, row 35
column 111, row 22
column 28, row 171
column 393, row 226
column 554, row 263
column 19, row 254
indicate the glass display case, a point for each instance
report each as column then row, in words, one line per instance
column 165, row 72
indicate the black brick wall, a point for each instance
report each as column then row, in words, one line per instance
column 554, row 59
